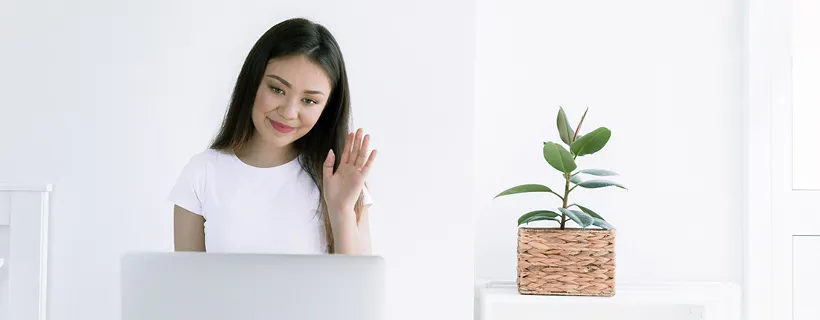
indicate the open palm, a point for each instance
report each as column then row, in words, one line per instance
column 342, row 188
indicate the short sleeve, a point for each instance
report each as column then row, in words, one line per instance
column 367, row 198
column 188, row 190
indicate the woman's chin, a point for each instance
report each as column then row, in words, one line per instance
column 278, row 141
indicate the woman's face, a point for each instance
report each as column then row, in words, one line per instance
column 290, row 99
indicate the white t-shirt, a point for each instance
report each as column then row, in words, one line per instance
column 249, row 209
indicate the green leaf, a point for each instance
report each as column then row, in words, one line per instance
column 581, row 123
column 588, row 211
column 537, row 215
column 576, row 179
column 592, row 184
column 525, row 188
column 540, row 218
column 596, row 172
column 564, row 128
column 591, row 142
column 582, row 219
column 602, row 224
column 558, row 157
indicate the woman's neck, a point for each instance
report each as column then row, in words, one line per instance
column 257, row 153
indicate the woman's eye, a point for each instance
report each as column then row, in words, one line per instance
column 308, row 101
column 277, row 90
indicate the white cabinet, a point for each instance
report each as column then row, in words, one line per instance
column 23, row 251
column 679, row 301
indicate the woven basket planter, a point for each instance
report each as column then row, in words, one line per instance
column 569, row 262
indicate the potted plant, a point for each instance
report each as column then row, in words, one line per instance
column 565, row 260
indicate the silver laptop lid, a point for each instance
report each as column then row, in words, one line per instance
column 219, row 286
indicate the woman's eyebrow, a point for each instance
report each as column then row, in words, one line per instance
column 287, row 84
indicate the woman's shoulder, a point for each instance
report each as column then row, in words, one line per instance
column 209, row 157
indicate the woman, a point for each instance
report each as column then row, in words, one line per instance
column 283, row 175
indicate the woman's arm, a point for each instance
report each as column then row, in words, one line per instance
column 350, row 238
column 364, row 232
column 189, row 230
column 342, row 188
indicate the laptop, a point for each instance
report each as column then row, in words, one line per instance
column 223, row 286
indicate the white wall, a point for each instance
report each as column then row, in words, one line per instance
column 107, row 100
column 666, row 78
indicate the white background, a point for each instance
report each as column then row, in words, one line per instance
column 108, row 100
column 666, row 78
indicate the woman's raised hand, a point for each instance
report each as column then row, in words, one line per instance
column 343, row 187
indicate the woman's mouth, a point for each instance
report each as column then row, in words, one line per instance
column 280, row 127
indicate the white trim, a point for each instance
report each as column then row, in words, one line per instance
column 757, row 264
column 44, row 210
column 4, row 186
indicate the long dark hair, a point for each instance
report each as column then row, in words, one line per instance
column 297, row 36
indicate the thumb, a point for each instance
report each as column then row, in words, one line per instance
column 328, row 167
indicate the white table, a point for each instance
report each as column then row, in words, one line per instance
column 706, row 301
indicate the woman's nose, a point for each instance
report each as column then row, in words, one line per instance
column 289, row 110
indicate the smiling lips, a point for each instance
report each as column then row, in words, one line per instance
column 281, row 127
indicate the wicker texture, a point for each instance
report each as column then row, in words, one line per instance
column 573, row 262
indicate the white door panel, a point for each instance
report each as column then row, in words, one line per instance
column 805, row 75
column 806, row 264
column 795, row 177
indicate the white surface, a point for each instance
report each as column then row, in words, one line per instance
column 705, row 301
column 5, row 186
column 805, row 66
column 665, row 78
column 806, row 262
column 108, row 100
column 171, row 286
column 28, row 250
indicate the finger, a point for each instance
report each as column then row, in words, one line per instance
column 346, row 151
column 369, row 164
column 357, row 144
column 328, row 166
column 360, row 159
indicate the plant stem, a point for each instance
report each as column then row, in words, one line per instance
column 566, row 199
column 567, row 176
